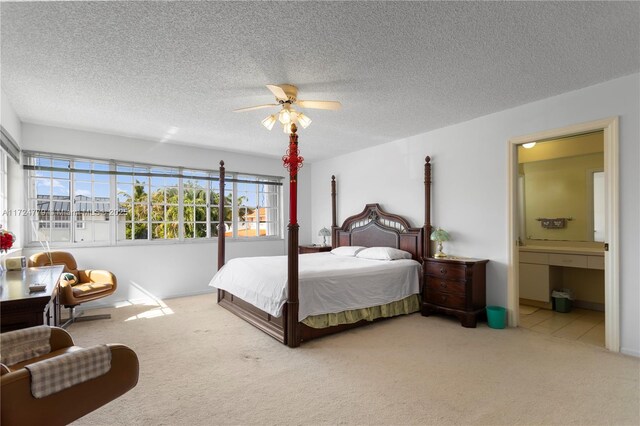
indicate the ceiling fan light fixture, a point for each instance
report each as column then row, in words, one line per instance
column 304, row 120
column 285, row 116
column 286, row 98
column 269, row 122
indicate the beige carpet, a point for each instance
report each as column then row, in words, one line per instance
column 201, row 365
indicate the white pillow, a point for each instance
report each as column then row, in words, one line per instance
column 383, row 253
column 347, row 250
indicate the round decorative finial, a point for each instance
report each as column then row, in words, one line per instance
column 221, row 163
column 427, row 159
column 333, row 177
column 294, row 128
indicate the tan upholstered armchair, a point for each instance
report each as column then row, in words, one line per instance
column 90, row 285
column 19, row 406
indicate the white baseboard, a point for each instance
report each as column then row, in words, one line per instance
column 631, row 352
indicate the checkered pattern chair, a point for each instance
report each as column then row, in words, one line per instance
column 90, row 285
column 19, row 406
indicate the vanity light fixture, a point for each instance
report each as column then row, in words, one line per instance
column 528, row 145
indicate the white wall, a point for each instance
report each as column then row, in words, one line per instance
column 15, row 181
column 470, row 179
column 9, row 119
column 165, row 269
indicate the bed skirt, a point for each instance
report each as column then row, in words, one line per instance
column 404, row 306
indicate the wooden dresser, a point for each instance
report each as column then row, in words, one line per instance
column 455, row 286
column 313, row 249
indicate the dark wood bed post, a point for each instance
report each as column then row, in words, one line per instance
column 427, row 207
column 293, row 162
column 221, row 228
column 334, row 224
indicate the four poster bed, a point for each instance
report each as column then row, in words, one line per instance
column 277, row 310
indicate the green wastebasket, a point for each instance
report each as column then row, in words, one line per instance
column 496, row 316
column 562, row 300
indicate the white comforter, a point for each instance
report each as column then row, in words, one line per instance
column 327, row 283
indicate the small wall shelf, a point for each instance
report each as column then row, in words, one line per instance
column 554, row 223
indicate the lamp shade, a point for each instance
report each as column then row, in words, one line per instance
column 269, row 122
column 285, row 116
column 439, row 235
column 304, row 120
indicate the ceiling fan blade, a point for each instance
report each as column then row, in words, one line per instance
column 255, row 107
column 278, row 92
column 332, row 105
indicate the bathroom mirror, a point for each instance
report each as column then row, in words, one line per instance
column 561, row 189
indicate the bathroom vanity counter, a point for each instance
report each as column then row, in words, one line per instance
column 590, row 251
column 572, row 257
column 541, row 268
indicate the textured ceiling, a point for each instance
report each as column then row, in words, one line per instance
column 175, row 70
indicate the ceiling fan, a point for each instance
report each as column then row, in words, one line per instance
column 286, row 96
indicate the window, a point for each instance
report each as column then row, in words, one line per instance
column 257, row 208
column 149, row 198
column 76, row 200
column 251, row 205
column 59, row 197
column 9, row 150
column 201, row 200
column 92, row 201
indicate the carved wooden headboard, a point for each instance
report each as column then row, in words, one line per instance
column 374, row 227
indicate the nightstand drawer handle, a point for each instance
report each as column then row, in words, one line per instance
column 443, row 270
column 444, row 298
column 443, row 284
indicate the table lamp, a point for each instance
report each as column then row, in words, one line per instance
column 439, row 235
column 324, row 233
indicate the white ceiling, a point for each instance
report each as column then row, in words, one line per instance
column 175, row 70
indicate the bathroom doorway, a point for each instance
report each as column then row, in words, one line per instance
column 557, row 244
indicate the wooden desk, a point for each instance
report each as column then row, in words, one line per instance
column 21, row 309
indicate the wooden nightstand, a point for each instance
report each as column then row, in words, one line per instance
column 313, row 249
column 455, row 286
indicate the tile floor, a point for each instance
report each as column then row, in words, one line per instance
column 580, row 324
